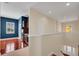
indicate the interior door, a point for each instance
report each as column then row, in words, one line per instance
column 25, row 31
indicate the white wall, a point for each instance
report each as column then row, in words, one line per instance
column 41, row 25
column 35, row 46
column 72, row 39
column 52, row 43
column 44, row 38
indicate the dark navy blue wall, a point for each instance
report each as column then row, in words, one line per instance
column 3, row 27
column 24, row 18
column 0, row 27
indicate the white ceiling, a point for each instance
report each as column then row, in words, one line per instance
column 15, row 9
column 59, row 10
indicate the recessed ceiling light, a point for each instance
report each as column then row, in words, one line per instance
column 67, row 4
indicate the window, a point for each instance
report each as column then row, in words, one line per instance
column 10, row 47
column 69, row 50
column 68, row 28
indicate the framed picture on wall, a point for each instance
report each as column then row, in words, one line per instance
column 10, row 27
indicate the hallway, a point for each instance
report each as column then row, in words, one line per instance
column 39, row 29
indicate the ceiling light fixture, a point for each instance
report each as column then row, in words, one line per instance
column 67, row 4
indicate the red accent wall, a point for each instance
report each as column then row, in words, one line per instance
column 4, row 43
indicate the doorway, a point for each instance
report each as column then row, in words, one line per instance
column 25, row 29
